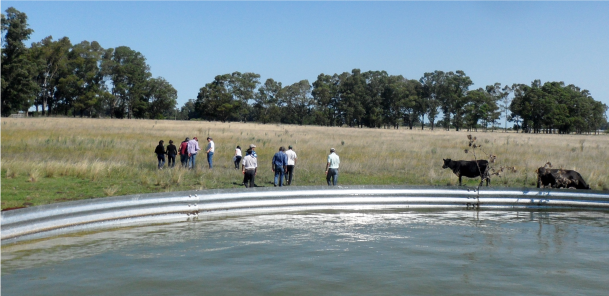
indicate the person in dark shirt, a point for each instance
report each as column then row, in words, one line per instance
column 279, row 165
column 160, row 153
column 172, row 151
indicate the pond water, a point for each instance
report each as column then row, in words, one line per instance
column 325, row 253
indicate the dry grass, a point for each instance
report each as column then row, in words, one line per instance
column 120, row 153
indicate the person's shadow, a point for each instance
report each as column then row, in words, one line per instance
column 241, row 184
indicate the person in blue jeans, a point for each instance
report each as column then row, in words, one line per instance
column 279, row 165
column 210, row 151
column 332, row 167
column 193, row 148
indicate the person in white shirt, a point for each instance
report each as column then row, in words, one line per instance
column 237, row 157
column 210, row 151
column 249, row 169
column 332, row 167
column 291, row 163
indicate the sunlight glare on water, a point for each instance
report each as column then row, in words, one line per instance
column 325, row 253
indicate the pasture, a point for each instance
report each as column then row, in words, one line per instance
column 47, row 160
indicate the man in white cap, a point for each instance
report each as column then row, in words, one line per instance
column 332, row 167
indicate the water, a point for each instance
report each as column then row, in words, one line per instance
column 325, row 253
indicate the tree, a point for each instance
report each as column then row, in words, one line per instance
column 242, row 87
column 325, row 95
column 216, row 102
column 52, row 60
column 431, row 91
column 19, row 88
column 457, row 86
column 352, row 89
column 297, row 102
column 161, row 98
column 266, row 102
column 128, row 71
column 83, row 88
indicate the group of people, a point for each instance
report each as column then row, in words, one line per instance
column 282, row 163
column 188, row 153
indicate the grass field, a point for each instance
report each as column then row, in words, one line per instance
column 46, row 160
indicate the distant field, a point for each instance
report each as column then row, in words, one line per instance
column 46, row 160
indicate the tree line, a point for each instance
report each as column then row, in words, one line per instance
column 376, row 99
column 85, row 79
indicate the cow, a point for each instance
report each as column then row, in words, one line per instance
column 559, row 178
column 468, row 168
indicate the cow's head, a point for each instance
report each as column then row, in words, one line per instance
column 446, row 162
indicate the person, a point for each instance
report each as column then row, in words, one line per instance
column 193, row 148
column 291, row 163
column 332, row 167
column 184, row 152
column 253, row 147
column 279, row 165
column 210, row 151
column 254, row 155
column 249, row 169
column 172, row 151
column 237, row 157
column 160, row 154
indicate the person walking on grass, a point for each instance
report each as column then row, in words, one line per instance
column 193, row 149
column 279, row 165
column 184, row 152
column 332, row 167
column 237, row 157
column 160, row 154
column 291, row 163
column 210, row 151
column 249, row 169
column 172, row 151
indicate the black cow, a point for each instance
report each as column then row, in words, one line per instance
column 468, row 168
column 559, row 178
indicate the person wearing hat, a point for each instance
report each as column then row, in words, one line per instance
column 184, row 152
column 332, row 167
column 160, row 154
column 210, row 151
column 253, row 147
column 279, row 166
column 172, row 151
column 291, row 163
column 193, row 148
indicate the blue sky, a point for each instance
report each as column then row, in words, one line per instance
column 188, row 43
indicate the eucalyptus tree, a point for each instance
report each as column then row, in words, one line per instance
column 161, row 98
column 216, row 102
column 431, row 92
column 18, row 87
column 372, row 101
column 352, row 90
column 325, row 95
column 394, row 98
column 243, row 86
column 297, row 102
column 128, row 72
column 457, row 86
column 82, row 87
column 52, row 60
column 266, row 102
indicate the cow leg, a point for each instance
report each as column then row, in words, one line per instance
column 459, row 180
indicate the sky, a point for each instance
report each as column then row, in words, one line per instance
column 189, row 43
